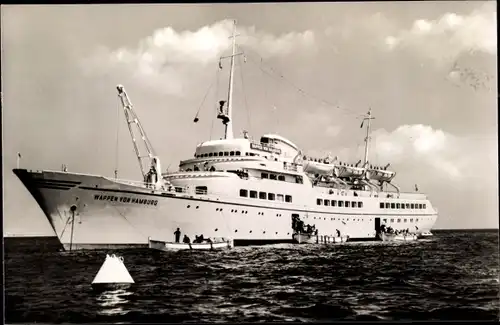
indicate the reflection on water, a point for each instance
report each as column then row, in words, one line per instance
column 111, row 302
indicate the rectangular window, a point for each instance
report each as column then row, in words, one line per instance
column 392, row 220
column 360, row 204
column 347, row 204
column 281, row 178
column 385, row 220
column 412, row 206
column 273, row 176
column 397, row 206
column 399, row 220
column 243, row 193
column 407, row 205
column 279, row 197
column 387, row 205
column 200, row 190
column 327, row 202
column 420, row 205
column 402, row 205
column 382, row 205
column 334, row 203
column 262, row 195
column 425, row 206
column 319, row 201
column 271, row 196
column 353, row 204
column 341, row 204
column 411, row 220
column 416, row 220
column 405, row 220
column 264, row 175
column 178, row 189
column 253, row 194
column 288, row 198
column 393, row 206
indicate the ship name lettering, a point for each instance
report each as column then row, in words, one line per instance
column 125, row 199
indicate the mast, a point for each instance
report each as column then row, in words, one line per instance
column 228, row 132
column 226, row 116
column 367, row 139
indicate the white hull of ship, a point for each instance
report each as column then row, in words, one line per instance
column 318, row 239
column 113, row 214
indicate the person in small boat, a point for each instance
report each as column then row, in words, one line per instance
column 186, row 240
column 338, row 232
column 199, row 239
column 308, row 229
column 177, row 234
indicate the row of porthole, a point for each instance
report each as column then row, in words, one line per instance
column 197, row 207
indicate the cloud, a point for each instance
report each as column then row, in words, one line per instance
column 169, row 60
column 450, row 35
column 421, row 150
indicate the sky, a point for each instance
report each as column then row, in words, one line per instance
column 426, row 69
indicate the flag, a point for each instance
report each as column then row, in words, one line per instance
column 362, row 124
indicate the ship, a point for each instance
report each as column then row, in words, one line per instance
column 253, row 191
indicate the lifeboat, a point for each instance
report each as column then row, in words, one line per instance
column 315, row 167
column 350, row 171
column 380, row 175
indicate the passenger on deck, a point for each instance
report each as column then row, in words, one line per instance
column 338, row 232
column 186, row 240
column 177, row 234
column 212, row 169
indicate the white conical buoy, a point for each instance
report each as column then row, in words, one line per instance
column 112, row 275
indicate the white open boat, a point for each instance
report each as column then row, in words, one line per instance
column 425, row 234
column 399, row 237
column 171, row 246
column 316, row 239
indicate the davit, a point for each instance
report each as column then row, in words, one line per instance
column 112, row 275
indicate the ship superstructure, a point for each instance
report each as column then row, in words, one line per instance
column 240, row 188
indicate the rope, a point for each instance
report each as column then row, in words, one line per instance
column 117, row 139
column 128, row 221
column 217, row 77
column 300, row 90
column 204, row 98
column 245, row 96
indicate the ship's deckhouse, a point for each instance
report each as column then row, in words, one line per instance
column 221, row 148
column 286, row 148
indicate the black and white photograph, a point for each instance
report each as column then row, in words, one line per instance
column 250, row 162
